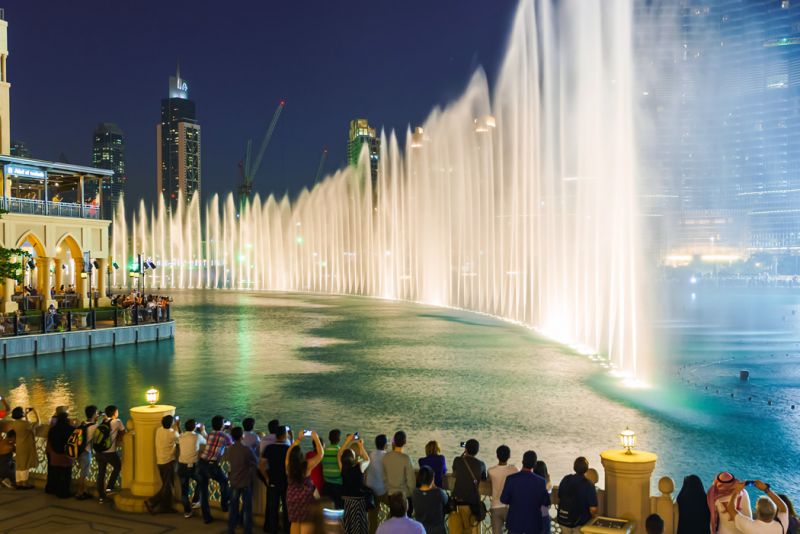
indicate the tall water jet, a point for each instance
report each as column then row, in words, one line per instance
column 521, row 204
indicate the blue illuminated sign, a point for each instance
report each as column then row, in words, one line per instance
column 12, row 169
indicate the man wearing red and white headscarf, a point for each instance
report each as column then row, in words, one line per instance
column 719, row 494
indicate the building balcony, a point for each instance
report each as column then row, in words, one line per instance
column 37, row 187
column 47, row 207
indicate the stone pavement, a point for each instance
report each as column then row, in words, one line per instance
column 34, row 512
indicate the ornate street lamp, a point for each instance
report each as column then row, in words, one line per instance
column 628, row 440
column 152, row 396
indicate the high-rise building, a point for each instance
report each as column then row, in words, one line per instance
column 726, row 93
column 108, row 152
column 20, row 149
column 178, row 145
column 361, row 134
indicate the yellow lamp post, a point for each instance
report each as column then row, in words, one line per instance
column 627, row 480
column 140, row 462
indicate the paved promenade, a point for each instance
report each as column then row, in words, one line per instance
column 34, row 512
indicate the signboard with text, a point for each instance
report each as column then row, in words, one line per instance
column 23, row 171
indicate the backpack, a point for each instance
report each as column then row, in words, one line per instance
column 75, row 442
column 102, row 437
column 568, row 513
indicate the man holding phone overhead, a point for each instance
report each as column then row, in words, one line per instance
column 210, row 468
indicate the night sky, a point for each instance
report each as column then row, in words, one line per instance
column 74, row 64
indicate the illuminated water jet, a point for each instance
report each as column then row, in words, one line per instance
column 520, row 204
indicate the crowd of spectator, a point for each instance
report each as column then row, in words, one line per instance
column 299, row 469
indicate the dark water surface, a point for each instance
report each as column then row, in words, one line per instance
column 376, row 366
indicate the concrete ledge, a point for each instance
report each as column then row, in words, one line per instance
column 36, row 344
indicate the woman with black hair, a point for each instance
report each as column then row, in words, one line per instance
column 59, row 465
column 693, row 512
column 430, row 502
column 354, row 491
column 300, row 491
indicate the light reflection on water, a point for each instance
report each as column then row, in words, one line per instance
column 376, row 366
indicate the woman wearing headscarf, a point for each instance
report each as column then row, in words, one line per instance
column 59, row 464
column 717, row 499
column 693, row 513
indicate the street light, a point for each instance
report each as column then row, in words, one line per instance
column 152, row 396
column 628, row 440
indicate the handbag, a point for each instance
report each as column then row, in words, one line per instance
column 478, row 509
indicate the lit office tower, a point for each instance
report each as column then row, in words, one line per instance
column 19, row 149
column 725, row 89
column 178, row 145
column 108, row 152
column 360, row 134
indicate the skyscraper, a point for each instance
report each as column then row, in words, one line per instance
column 178, row 145
column 108, row 152
column 361, row 134
column 20, row 149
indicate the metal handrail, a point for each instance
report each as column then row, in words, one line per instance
column 71, row 320
column 47, row 207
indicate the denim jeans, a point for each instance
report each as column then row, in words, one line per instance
column 212, row 471
column 246, row 495
column 186, row 474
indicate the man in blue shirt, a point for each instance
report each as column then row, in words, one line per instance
column 525, row 493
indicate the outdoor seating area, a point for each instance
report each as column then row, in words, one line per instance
column 36, row 187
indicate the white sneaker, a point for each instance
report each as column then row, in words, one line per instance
column 196, row 505
column 187, row 515
column 7, row 483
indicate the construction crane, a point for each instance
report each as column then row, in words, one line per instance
column 321, row 165
column 249, row 168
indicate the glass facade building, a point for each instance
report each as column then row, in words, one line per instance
column 362, row 134
column 178, row 145
column 108, row 152
column 721, row 79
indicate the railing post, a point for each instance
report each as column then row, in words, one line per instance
column 94, row 319
column 69, row 321
column 115, row 317
column 168, row 318
column 44, row 323
column 135, row 314
column 16, row 325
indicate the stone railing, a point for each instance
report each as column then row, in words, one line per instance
column 661, row 504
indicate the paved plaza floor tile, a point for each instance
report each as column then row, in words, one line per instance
column 33, row 512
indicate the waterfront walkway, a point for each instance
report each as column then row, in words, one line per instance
column 35, row 511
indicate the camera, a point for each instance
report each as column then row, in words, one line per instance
column 226, row 423
column 355, row 437
column 463, row 444
column 306, row 433
column 197, row 426
column 288, row 429
column 177, row 417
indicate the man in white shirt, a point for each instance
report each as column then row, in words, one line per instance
column 497, row 476
column 166, row 441
column 772, row 516
column 374, row 479
column 189, row 443
column 108, row 455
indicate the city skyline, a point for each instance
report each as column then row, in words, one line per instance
column 270, row 53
